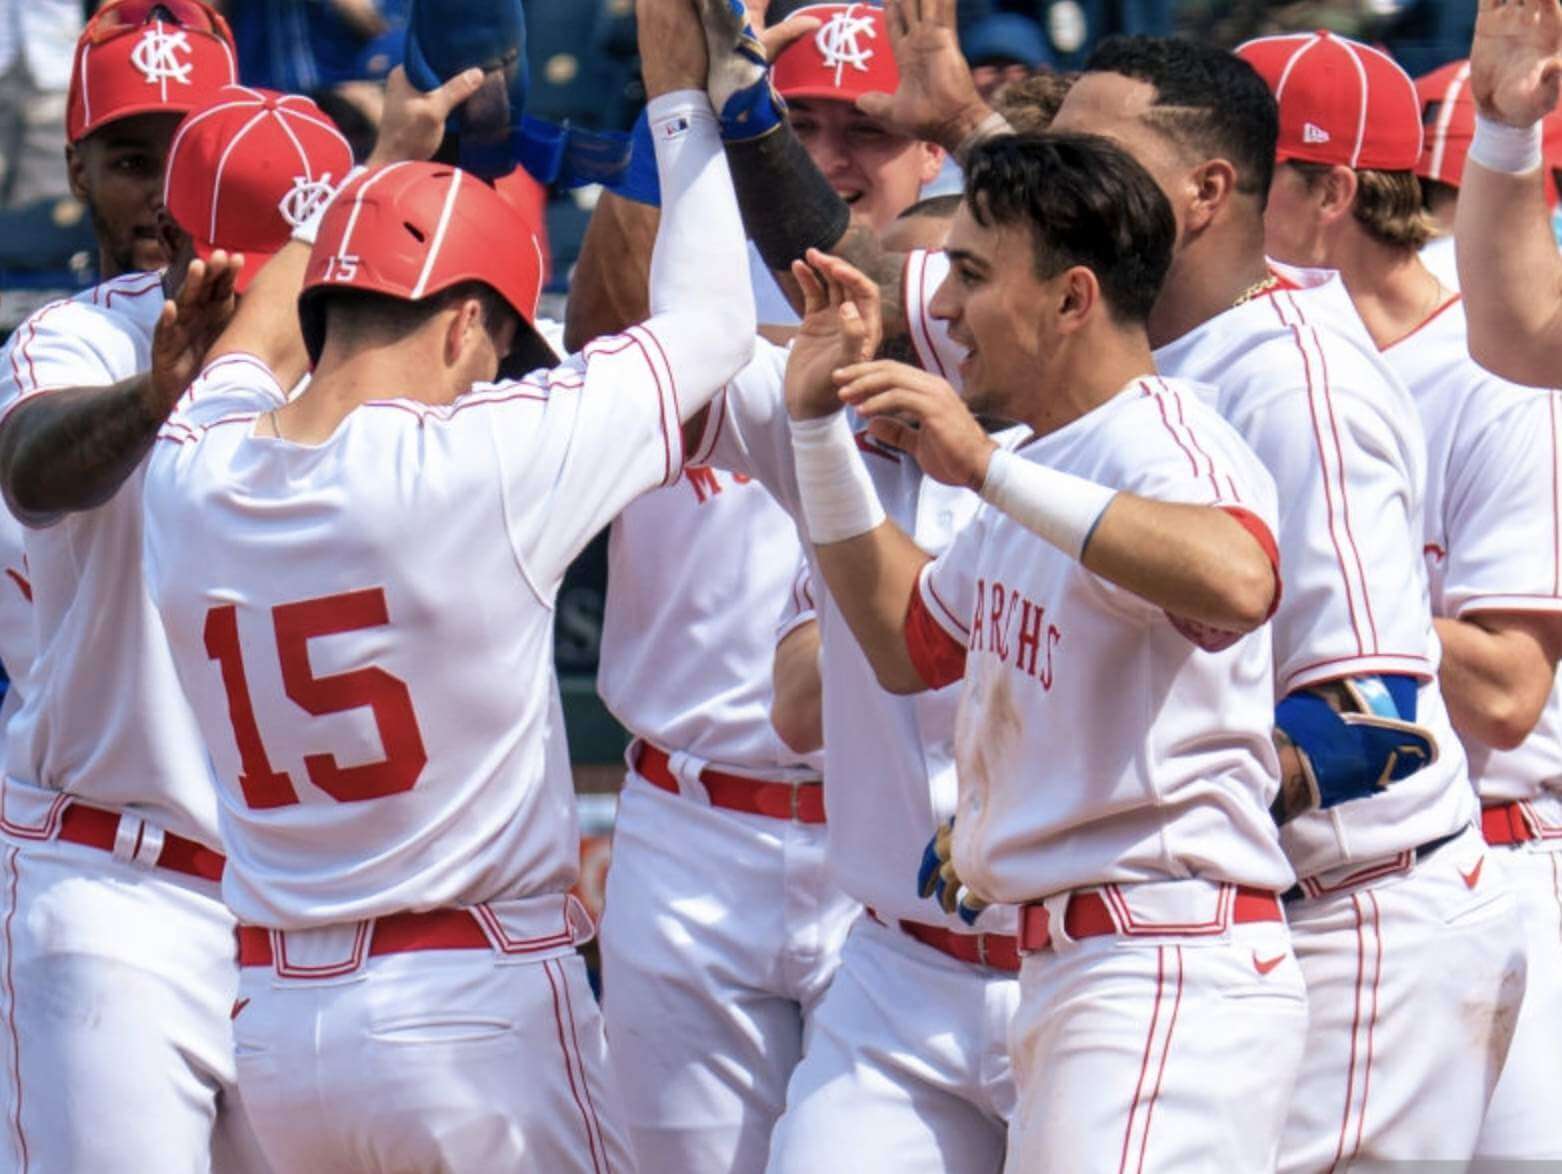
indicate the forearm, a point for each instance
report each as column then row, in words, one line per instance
column 796, row 707
column 871, row 578
column 1195, row 562
column 1511, row 274
column 266, row 322
column 1495, row 683
column 610, row 285
column 701, row 302
column 72, row 449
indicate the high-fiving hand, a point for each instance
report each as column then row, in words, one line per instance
column 1516, row 60
column 841, row 327
column 937, row 100
column 190, row 322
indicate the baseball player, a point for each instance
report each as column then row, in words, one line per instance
column 111, row 860
column 1491, row 512
column 1132, row 829
column 394, row 783
column 1509, row 267
column 1394, row 921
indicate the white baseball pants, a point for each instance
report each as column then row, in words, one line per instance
column 427, row 1062
column 720, row 933
column 117, row 984
column 1524, row 1119
column 907, row 1071
column 1153, row 1053
column 1414, row 981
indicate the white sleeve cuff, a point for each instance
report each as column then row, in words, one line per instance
column 1056, row 506
column 839, row 501
column 1512, row 150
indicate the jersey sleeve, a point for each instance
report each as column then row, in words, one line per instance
column 937, row 353
column 746, row 430
column 1350, row 536
column 944, row 606
column 1502, row 513
column 64, row 344
column 799, row 608
column 578, row 443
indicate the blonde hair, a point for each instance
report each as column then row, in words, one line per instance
column 1388, row 205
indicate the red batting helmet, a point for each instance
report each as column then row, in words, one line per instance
column 412, row 230
column 146, row 57
column 1448, row 112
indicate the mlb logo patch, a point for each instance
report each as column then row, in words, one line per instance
column 674, row 127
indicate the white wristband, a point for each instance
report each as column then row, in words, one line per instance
column 309, row 228
column 1056, row 506
column 1513, row 150
column 839, row 501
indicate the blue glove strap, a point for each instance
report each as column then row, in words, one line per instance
column 1353, row 756
column 751, row 112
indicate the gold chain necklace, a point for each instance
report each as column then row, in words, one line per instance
column 1257, row 288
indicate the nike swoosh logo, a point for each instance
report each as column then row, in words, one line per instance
column 1473, row 877
column 238, row 1005
column 1265, row 965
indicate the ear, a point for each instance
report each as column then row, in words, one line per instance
column 1338, row 194
column 466, row 324
column 1211, row 184
column 76, row 169
column 1079, row 296
column 932, row 161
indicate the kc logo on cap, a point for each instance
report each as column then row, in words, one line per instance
column 163, row 56
column 838, row 43
column 304, row 198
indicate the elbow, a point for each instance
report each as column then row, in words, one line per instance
column 732, row 332
column 1248, row 594
column 899, row 680
column 1509, row 716
column 799, row 725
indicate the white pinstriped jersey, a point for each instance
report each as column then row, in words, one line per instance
column 1097, row 743
column 18, row 638
column 1298, row 376
column 104, row 717
column 889, row 760
column 937, row 353
column 697, row 573
column 365, row 625
column 1493, row 517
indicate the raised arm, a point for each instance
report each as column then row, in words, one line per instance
column 72, row 448
column 1509, row 267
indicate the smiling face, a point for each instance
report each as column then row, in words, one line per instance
column 117, row 172
column 877, row 173
column 995, row 306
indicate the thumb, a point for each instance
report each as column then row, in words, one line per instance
column 877, row 105
column 778, row 37
column 458, row 89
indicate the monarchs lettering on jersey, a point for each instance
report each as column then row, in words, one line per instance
column 1015, row 629
column 706, row 482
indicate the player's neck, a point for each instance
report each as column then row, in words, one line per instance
column 1208, row 275
column 346, row 378
column 1107, row 362
column 1394, row 293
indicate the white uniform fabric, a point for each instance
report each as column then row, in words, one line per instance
column 928, row 1069
column 1492, row 525
column 936, row 352
column 18, row 640
column 1438, row 256
column 103, row 718
column 106, row 719
column 433, row 770
column 1054, row 652
column 1099, row 746
column 707, row 1015
column 1298, row 376
column 1301, row 380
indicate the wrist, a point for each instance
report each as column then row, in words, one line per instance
column 1509, row 150
column 839, row 501
column 984, row 460
column 989, row 125
column 1057, row 507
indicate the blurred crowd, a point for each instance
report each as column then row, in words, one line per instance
column 584, row 71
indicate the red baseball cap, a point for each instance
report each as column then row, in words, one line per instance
column 146, row 57
column 410, row 230
column 1448, row 114
column 847, row 56
column 248, row 167
column 1341, row 102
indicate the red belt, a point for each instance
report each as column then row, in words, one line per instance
column 1505, row 824
column 1087, row 916
column 802, row 802
column 98, row 828
column 995, row 951
column 397, row 933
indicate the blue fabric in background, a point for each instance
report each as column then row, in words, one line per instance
column 303, row 45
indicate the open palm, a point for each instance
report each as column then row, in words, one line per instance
column 1516, row 59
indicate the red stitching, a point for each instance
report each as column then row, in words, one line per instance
column 10, row 991
column 661, row 407
column 1377, row 975
column 1171, row 1027
column 672, row 382
column 1339, row 452
column 921, row 312
column 508, row 945
column 1350, row 1079
column 1144, row 1064
column 1118, row 904
column 949, row 613
column 558, row 1020
column 1193, row 437
column 286, row 969
column 1556, row 524
column 574, row 1032
column 1193, row 465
